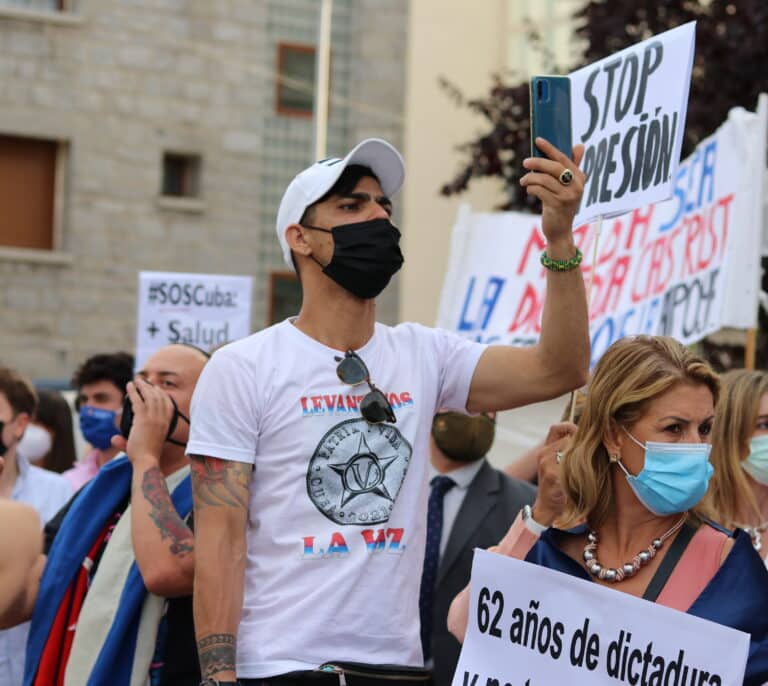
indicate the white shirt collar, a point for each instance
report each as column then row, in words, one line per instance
column 463, row 476
column 23, row 465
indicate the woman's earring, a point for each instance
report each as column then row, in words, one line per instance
column 615, row 457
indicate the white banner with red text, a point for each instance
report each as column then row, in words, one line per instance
column 685, row 267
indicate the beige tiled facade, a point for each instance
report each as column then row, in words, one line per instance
column 467, row 43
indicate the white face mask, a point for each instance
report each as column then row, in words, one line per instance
column 35, row 443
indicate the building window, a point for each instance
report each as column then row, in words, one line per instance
column 28, row 192
column 295, row 79
column 284, row 296
column 181, row 175
column 37, row 5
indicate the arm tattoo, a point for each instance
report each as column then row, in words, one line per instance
column 217, row 654
column 164, row 514
column 218, row 482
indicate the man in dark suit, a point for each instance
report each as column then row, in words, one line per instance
column 471, row 505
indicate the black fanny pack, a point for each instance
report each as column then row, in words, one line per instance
column 382, row 672
column 337, row 673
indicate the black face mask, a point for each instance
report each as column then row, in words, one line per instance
column 126, row 421
column 366, row 255
column 462, row 437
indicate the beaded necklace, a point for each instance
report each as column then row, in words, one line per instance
column 756, row 534
column 613, row 574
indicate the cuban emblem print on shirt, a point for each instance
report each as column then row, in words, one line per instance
column 357, row 471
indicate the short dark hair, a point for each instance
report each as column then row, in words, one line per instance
column 345, row 184
column 114, row 367
column 18, row 391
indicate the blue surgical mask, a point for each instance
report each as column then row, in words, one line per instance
column 98, row 426
column 674, row 477
column 756, row 464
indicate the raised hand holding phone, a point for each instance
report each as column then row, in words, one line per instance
column 553, row 174
column 560, row 200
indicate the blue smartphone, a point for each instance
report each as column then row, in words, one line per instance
column 551, row 113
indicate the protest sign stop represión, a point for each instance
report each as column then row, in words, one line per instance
column 629, row 112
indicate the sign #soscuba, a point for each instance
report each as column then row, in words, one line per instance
column 204, row 310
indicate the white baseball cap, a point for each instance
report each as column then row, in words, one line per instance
column 314, row 182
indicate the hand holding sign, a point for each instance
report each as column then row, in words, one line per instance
column 550, row 496
column 560, row 200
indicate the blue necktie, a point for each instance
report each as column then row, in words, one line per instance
column 440, row 486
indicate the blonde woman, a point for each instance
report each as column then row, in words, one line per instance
column 738, row 493
column 634, row 478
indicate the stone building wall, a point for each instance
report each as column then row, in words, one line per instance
column 119, row 83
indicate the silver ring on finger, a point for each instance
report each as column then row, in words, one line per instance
column 566, row 177
column 559, row 456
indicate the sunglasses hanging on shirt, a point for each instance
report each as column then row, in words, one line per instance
column 374, row 407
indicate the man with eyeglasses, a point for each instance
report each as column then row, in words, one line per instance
column 310, row 439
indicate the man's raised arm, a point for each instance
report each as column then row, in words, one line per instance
column 220, row 490
column 162, row 542
column 508, row 376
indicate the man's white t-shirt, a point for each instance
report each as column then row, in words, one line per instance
column 337, row 519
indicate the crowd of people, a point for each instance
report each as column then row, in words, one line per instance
column 223, row 528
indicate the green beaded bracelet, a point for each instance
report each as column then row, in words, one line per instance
column 562, row 265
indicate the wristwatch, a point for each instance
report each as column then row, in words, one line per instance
column 216, row 682
column 530, row 523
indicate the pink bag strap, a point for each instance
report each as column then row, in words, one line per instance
column 698, row 564
column 518, row 541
